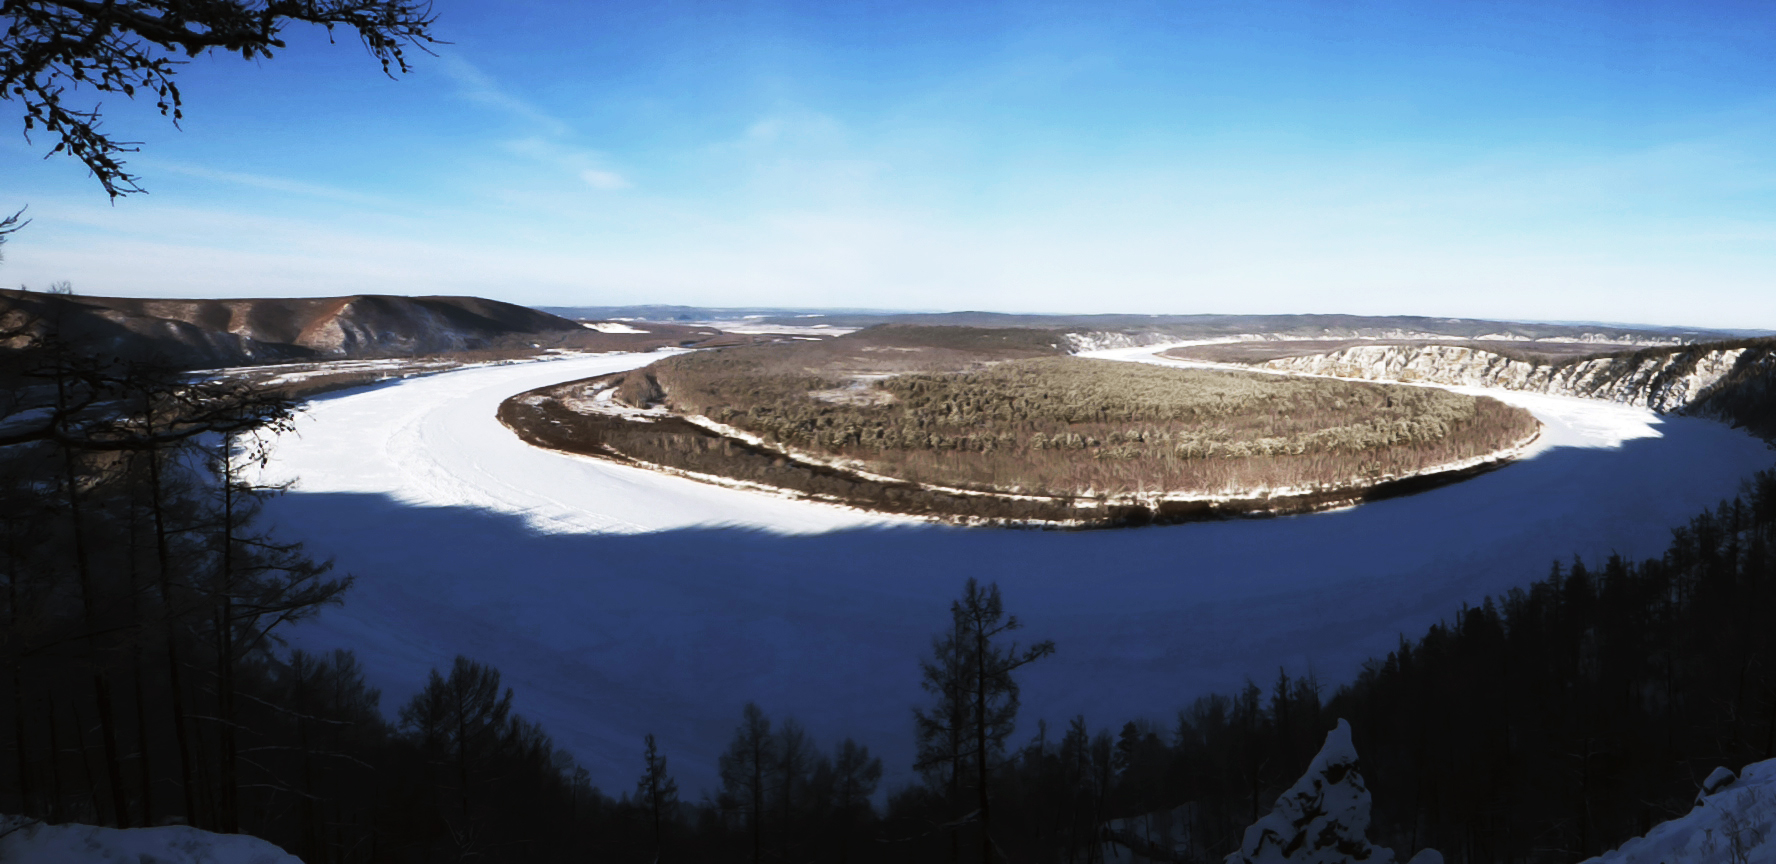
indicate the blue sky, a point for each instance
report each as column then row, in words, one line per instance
column 1569, row 161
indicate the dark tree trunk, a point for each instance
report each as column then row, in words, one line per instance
column 980, row 739
column 230, row 780
column 163, row 556
column 89, row 606
column 55, row 764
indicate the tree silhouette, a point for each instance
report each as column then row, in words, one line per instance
column 656, row 791
column 977, row 698
column 745, row 772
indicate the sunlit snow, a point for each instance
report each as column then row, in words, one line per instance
column 620, row 602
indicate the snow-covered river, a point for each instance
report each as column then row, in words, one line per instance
column 620, row 602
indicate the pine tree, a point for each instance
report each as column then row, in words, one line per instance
column 459, row 722
column 746, row 769
column 977, row 704
column 855, row 775
column 656, row 791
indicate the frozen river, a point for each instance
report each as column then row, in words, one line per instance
column 619, row 602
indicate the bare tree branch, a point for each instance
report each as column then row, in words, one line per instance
column 50, row 48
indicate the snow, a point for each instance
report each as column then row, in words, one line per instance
column 611, row 327
column 1735, row 822
column 439, row 445
column 620, row 602
column 37, row 843
column 782, row 329
column 1322, row 819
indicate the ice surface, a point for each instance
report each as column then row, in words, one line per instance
column 620, row 602
column 37, row 843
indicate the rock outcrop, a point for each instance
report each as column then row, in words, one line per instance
column 1711, row 379
column 1323, row 818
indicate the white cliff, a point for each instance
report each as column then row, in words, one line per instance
column 1665, row 381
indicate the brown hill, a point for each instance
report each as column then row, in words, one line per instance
column 211, row 333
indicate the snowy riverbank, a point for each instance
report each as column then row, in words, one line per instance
column 620, row 602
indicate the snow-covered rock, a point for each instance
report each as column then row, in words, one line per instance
column 1664, row 382
column 1323, row 818
column 33, row 842
column 1734, row 822
column 1099, row 340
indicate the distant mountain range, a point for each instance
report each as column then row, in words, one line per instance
column 656, row 312
column 211, row 333
column 1172, row 326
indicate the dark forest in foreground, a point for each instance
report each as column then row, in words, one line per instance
column 143, row 684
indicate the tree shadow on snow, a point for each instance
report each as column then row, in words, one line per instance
column 607, row 637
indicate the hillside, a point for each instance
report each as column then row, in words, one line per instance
column 213, row 333
column 1729, row 381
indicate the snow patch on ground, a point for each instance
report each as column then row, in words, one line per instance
column 783, row 329
column 1734, row 820
column 610, row 327
column 36, row 843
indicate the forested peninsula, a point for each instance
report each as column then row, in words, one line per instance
column 1003, row 425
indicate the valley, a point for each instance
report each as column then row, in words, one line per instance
column 621, row 600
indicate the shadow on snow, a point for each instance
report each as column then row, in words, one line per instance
column 607, row 637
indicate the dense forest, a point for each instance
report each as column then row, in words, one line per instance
column 144, row 684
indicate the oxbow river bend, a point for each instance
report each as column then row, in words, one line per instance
column 618, row 602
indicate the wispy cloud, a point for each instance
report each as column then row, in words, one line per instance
column 588, row 165
column 477, row 87
column 603, row 179
column 265, row 182
column 544, row 146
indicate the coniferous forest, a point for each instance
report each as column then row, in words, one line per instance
column 144, row 684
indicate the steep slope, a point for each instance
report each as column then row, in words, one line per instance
column 198, row 333
column 1730, row 381
column 1734, row 820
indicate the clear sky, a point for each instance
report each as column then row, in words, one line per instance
column 1610, row 160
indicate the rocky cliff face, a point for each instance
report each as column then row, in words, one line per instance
column 1728, row 381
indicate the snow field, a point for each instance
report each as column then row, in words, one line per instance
column 620, row 602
